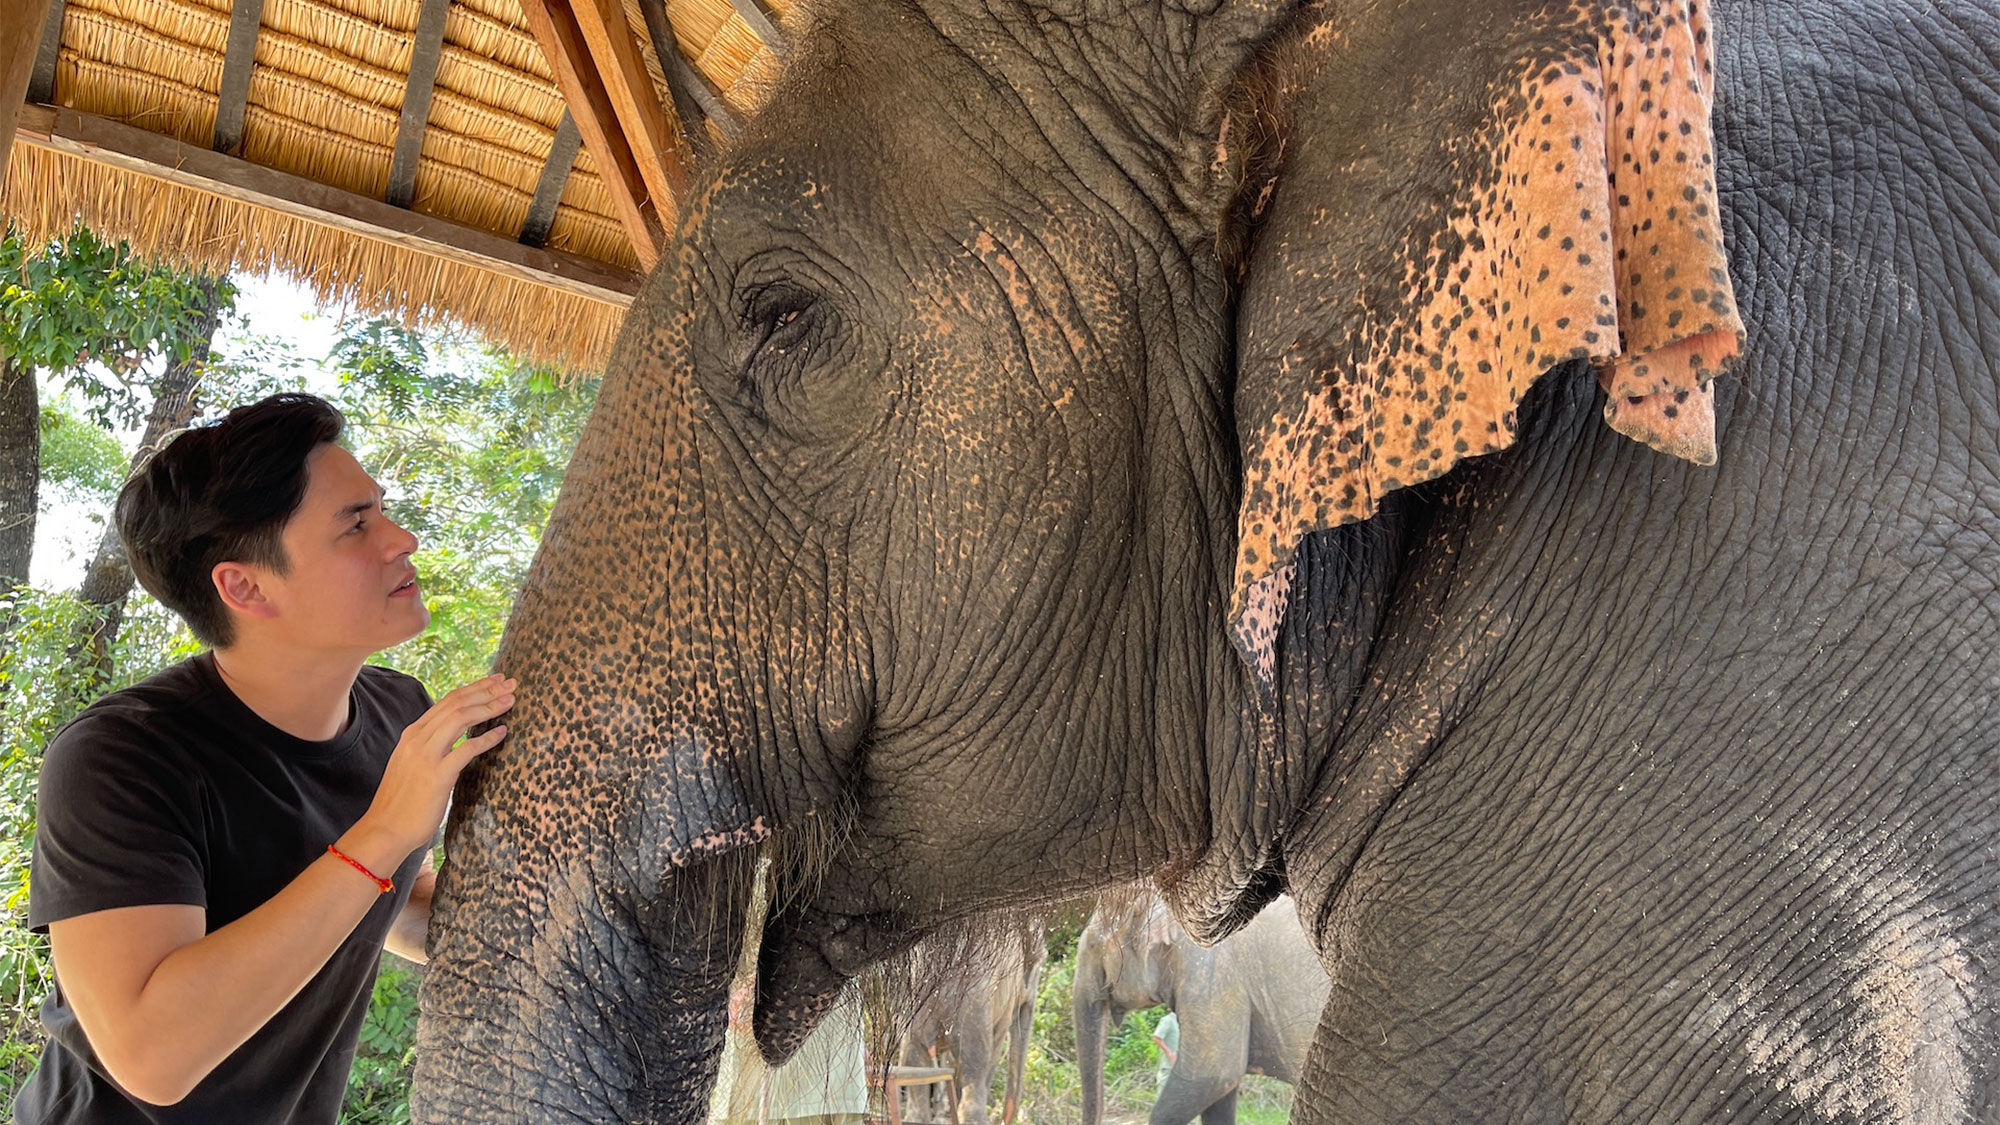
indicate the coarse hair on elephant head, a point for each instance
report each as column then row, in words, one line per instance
column 975, row 508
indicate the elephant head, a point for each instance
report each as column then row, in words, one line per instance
column 965, row 441
column 1126, row 959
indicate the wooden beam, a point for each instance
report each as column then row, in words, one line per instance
column 424, row 54
column 555, row 28
column 246, row 17
column 118, row 145
column 661, row 31
column 760, row 21
column 42, row 87
column 694, row 97
column 681, row 72
column 548, row 193
column 650, row 128
column 20, row 41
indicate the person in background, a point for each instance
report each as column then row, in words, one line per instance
column 224, row 849
column 1167, row 1041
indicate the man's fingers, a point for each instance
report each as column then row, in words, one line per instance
column 476, row 745
column 487, row 688
column 477, row 691
column 469, row 714
column 460, row 709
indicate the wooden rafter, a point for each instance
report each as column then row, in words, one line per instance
column 20, row 41
column 122, row 146
column 562, row 41
column 682, row 74
column 760, row 21
column 548, row 192
column 694, row 97
column 661, row 32
column 246, row 17
column 42, row 87
column 649, row 126
column 424, row 54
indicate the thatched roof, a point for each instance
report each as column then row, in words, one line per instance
column 307, row 105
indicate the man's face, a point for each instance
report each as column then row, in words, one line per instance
column 350, row 586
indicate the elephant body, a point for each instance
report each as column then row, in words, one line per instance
column 1087, row 405
column 971, row 1002
column 1249, row 1005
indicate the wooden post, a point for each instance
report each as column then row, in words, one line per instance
column 20, row 41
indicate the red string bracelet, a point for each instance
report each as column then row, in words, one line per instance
column 385, row 884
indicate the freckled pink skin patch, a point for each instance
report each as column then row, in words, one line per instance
column 1588, row 231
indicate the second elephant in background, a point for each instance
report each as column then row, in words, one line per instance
column 1247, row 1006
column 972, row 996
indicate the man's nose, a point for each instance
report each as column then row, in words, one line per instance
column 403, row 539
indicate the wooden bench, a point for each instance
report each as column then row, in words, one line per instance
column 892, row 1080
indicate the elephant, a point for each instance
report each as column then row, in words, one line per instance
column 971, row 997
column 1247, row 1005
column 1205, row 429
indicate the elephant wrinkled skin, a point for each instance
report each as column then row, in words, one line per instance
column 1610, row 787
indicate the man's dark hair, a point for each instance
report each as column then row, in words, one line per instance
column 221, row 493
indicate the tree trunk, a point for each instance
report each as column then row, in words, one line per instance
column 20, row 477
column 107, row 581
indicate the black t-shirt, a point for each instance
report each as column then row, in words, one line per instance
column 174, row 791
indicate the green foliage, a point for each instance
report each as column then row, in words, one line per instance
column 1053, row 1090
column 468, row 610
column 378, row 1084
column 87, row 311
column 1053, row 1094
column 471, row 445
column 1263, row 1101
column 78, row 457
column 1129, row 1048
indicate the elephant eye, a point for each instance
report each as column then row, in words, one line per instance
column 776, row 317
column 782, row 326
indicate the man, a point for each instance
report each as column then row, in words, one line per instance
column 224, row 849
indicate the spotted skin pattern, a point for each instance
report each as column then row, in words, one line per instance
column 1579, row 223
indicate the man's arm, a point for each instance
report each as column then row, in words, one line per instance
column 413, row 922
column 162, row 1002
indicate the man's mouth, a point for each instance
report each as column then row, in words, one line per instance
column 408, row 587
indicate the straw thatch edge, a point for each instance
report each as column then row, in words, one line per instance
column 47, row 192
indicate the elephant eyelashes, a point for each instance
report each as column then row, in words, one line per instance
column 777, row 316
column 781, row 322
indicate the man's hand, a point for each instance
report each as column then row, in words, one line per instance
column 410, row 802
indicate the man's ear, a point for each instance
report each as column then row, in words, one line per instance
column 241, row 588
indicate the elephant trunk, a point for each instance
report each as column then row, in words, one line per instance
column 598, row 864
column 1092, row 1017
column 518, row 1024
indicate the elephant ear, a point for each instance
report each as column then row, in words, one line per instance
column 1467, row 196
